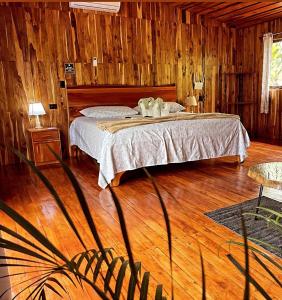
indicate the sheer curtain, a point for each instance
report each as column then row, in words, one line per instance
column 267, row 53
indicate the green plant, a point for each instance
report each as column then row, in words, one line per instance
column 276, row 63
column 85, row 267
column 101, row 268
column 274, row 220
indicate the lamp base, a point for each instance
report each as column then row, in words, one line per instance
column 37, row 123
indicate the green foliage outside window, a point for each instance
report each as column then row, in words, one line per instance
column 276, row 65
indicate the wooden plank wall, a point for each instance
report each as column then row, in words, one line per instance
column 249, row 59
column 145, row 44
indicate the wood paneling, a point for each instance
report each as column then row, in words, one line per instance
column 145, row 44
column 249, row 59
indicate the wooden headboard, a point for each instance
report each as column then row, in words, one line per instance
column 86, row 96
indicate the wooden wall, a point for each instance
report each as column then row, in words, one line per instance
column 249, row 59
column 145, row 44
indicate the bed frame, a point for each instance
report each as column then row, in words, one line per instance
column 81, row 97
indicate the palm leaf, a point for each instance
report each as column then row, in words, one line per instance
column 97, row 268
column 144, row 286
column 81, row 263
column 30, row 285
column 83, row 256
column 248, row 278
column 110, row 272
column 271, row 211
column 203, row 277
column 267, row 270
column 159, row 293
column 53, row 192
column 22, row 282
column 50, row 287
column 120, row 278
column 251, row 279
column 42, row 295
column 132, row 282
column 167, row 223
column 267, row 219
column 83, row 204
column 40, row 286
column 21, row 238
column 90, row 262
column 44, row 241
column 25, row 260
column 6, row 244
column 67, row 275
column 54, row 280
column 247, row 263
column 124, row 234
column 278, row 249
column 31, row 230
column 279, row 266
column 36, row 291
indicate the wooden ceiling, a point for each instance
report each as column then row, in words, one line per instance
column 237, row 14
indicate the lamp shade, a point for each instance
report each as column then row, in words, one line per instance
column 36, row 109
column 191, row 101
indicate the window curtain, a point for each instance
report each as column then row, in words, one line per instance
column 267, row 53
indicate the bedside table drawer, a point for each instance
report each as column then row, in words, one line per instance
column 42, row 136
column 42, row 153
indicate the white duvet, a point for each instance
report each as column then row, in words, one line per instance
column 158, row 144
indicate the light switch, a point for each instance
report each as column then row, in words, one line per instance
column 95, row 62
column 198, row 85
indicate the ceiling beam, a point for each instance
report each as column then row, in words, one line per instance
column 258, row 13
column 206, row 9
column 259, row 21
column 232, row 9
column 243, row 11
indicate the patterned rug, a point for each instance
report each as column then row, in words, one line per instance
column 257, row 229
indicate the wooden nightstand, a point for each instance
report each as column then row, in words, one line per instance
column 39, row 140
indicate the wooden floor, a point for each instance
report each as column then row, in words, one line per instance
column 197, row 187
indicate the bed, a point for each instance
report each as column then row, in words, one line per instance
column 152, row 144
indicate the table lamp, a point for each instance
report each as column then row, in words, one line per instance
column 191, row 101
column 36, row 109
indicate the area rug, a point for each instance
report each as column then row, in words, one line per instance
column 257, row 229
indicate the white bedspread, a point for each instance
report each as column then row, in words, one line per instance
column 158, row 144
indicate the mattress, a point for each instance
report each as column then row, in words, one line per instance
column 158, row 144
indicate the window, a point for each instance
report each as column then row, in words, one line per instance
column 276, row 65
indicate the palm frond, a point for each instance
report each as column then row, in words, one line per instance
column 83, row 204
column 6, row 244
column 167, row 223
column 85, row 267
column 125, row 234
column 159, row 293
column 247, row 260
column 266, row 256
column 145, row 286
column 53, row 192
column 204, row 297
column 267, row 270
column 132, row 282
column 33, row 231
column 250, row 278
column 23, row 239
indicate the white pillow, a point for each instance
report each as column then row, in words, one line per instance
column 138, row 109
column 101, row 112
column 173, row 107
